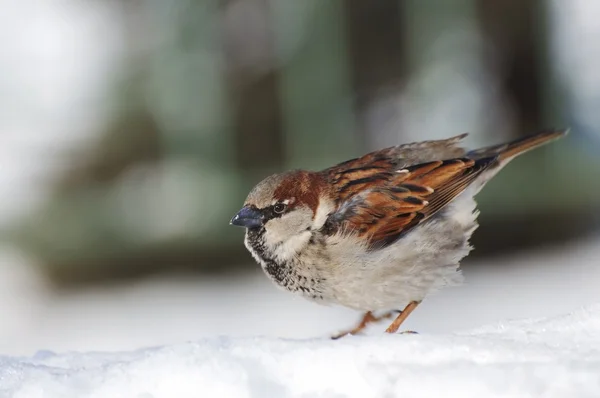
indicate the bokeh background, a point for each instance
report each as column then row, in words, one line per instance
column 131, row 132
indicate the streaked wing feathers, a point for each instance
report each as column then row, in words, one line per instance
column 381, row 207
column 378, row 167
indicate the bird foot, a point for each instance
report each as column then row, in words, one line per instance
column 367, row 319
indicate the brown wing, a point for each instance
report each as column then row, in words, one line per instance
column 376, row 168
column 382, row 212
column 386, row 193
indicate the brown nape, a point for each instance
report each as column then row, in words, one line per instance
column 301, row 186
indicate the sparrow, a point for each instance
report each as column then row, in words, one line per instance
column 375, row 233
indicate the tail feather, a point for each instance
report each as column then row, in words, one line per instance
column 506, row 152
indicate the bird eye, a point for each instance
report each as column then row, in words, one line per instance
column 279, row 208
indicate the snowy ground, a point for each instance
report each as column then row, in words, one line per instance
column 556, row 357
column 244, row 338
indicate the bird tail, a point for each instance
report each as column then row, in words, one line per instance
column 506, row 152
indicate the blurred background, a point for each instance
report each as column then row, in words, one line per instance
column 131, row 131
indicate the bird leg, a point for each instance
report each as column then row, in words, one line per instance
column 393, row 328
column 367, row 319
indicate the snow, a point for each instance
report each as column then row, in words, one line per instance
column 160, row 338
column 551, row 357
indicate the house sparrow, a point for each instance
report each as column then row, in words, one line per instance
column 375, row 232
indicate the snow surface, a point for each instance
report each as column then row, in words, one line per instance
column 553, row 352
column 552, row 357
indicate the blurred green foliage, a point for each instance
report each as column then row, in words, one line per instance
column 214, row 95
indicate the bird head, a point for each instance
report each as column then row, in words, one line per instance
column 284, row 206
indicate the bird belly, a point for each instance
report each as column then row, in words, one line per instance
column 419, row 263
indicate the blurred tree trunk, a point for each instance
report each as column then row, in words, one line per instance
column 377, row 50
column 518, row 33
column 516, row 30
column 253, row 84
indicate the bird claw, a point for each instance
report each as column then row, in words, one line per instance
column 340, row 335
column 354, row 333
column 366, row 320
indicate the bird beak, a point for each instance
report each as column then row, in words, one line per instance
column 247, row 217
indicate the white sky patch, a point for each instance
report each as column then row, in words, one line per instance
column 56, row 57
